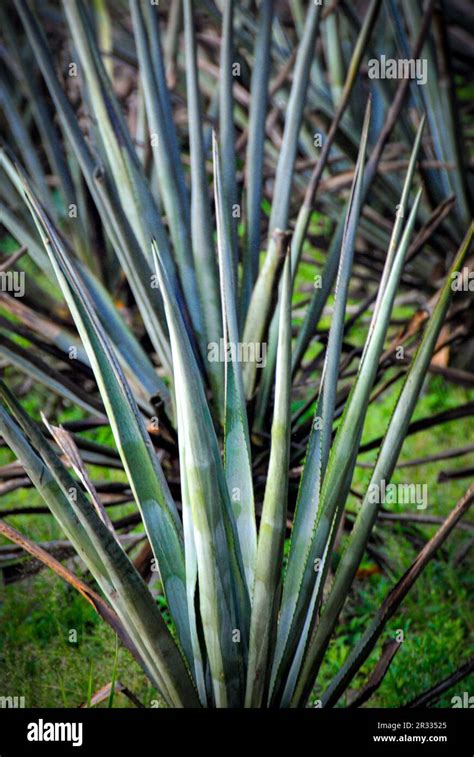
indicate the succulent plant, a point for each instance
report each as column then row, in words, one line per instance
column 181, row 384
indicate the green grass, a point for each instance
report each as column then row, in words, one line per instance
column 38, row 660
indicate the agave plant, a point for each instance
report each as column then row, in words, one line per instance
column 248, row 625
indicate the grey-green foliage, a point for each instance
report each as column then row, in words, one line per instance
column 243, row 633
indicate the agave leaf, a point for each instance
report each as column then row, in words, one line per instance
column 326, row 404
column 393, row 115
column 201, row 224
column 349, row 83
column 397, row 229
column 115, row 222
column 133, row 358
column 172, row 41
column 67, row 445
column 104, row 34
column 383, row 470
column 43, row 480
column 128, row 592
column 59, row 503
column 356, row 405
column 298, row 15
column 294, row 114
column 22, row 140
column 237, row 457
column 263, row 293
column 131, row 355
column 32, row 365
column 223, row 595
column 349, row 432
column 35, row 329
column 440, row 116
column 451, row 127
column 191, row 595
column 131, row 186
column 269, row 564
column 42, row 326
column 343, row 454
column 320, row 295
column 226, row 126
column 174, row 201
column 141, row 464
column 260, row 303
column 320, row 439
column 334, row 56
column 255, row 152
column 390, row 605
column 152, row 19
column 42, row 114
column 302, row 222
column 230, row 646
column 314, row 309
column 396, row 18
